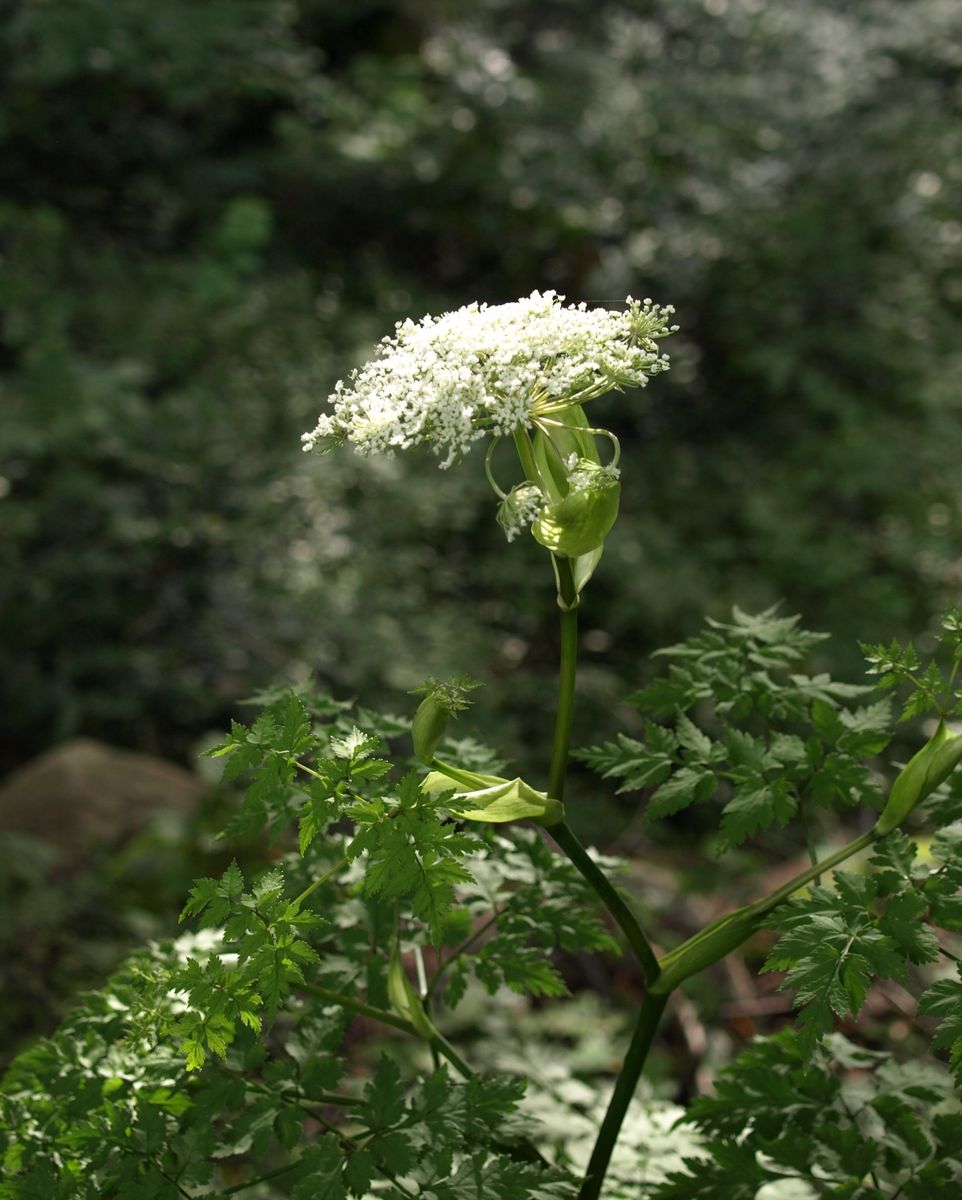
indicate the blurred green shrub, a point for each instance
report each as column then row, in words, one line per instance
column 211, row 212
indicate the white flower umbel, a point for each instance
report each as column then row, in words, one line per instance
column 489, row 370
column 520, row 508
column 586, row 476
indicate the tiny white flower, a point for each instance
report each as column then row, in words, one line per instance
column 521, row 507
column 489, row 370
column 586, row 476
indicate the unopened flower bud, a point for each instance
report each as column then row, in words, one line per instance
column 442, row 700
column 921, row 775
column 427, row 728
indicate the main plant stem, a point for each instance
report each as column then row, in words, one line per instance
column 568, row 601
column 610, row 897
column 695, row 954
column 652, row 1006
column 562, row 832
column 647, row 1024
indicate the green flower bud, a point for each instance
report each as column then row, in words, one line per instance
column 491, row 799
column 427, row 728
column 442, row 700
column 921, row 775
column 404, row 999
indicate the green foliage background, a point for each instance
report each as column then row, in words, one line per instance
column 212, row 211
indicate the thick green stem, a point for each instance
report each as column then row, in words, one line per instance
column 562, row 833
column 610, row 897
column 440, row 1043
column 648, row 1017
column 706, row 947
column 652, row 1006
column 566, row 679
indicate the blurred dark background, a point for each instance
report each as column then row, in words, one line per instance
column 211, row 211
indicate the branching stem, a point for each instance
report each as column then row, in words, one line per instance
column 562, row 832
column 610, row 897
column 717, row 940
column 652, row 1006
column 321, row 880
column 351, row 1003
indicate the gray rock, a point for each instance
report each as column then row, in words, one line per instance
column 84, row 793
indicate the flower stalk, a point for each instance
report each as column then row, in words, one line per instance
column 567, row 671
column 653, row 1004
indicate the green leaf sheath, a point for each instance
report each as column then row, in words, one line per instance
column 717, row 940
column 931, row 766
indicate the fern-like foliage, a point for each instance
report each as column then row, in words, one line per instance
column 95, row 1112
column 847, row 1124
column 880, row 923
column 218, row 1061
column 749, row 730
column 226, row 1062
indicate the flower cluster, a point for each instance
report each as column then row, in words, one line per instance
column 447, row 381
column 587, row 476
column 521, row 507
